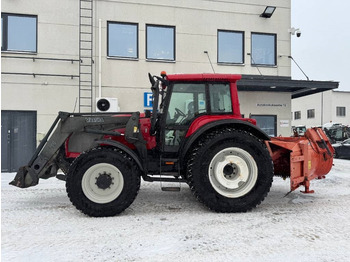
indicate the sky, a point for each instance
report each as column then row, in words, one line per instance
column 323, row 49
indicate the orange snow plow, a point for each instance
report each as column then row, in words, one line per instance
column 302, row 159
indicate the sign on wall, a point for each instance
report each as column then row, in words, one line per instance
column 284, row 123
column 147, row 99
column 271, row 105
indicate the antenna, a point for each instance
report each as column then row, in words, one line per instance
column 75, row 105
column 254, row 63
column 206, row 52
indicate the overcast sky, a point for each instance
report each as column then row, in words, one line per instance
column 323, row 49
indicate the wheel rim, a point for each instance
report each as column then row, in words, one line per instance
column 102, row 183
column 233, row 172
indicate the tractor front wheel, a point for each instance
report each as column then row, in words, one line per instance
column 103, row 182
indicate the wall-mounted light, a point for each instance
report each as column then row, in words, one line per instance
column 268, row 11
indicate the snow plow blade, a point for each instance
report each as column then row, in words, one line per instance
column 302, row 159
column 25, row 177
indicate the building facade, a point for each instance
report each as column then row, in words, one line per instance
column 319, row 109
column 65, row 55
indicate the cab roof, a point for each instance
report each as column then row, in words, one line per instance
column 204, row 77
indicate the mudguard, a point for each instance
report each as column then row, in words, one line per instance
column 239, row 124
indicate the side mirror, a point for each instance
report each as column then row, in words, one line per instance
column 151, row 79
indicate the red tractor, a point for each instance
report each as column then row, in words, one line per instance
column 194, row 134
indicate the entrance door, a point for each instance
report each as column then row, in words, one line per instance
column 18, row 143
column 268, row 123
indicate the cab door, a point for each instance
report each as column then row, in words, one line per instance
column 187, row 101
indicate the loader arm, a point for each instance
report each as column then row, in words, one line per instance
column 43, row 164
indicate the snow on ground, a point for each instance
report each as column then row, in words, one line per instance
column 40, row 224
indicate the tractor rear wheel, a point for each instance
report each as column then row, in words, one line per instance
column 103, row 182
column 230, row 170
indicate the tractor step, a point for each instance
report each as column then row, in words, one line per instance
column 171, row 188
column 61, row 177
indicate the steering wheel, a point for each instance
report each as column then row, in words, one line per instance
column 179, row 112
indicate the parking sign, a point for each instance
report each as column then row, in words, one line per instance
column 147, row 99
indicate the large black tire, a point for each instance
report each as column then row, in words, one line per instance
column 103, row 182
column 230, row 170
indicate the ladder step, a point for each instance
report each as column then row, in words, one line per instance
column 171, row 188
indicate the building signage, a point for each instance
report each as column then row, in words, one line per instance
column 271, row 105
column 147, row 99
column 284, row 123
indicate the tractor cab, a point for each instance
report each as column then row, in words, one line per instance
column 185, row 103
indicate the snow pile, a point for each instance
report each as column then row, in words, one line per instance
column 40, row 224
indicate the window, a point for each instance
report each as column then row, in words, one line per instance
column 263, row 49
column 341, row 111
column 220, row 98
column 122, row 40
column 19, row 33
column 160, row 42
column 311, row 113
column 267, row 123
column 297, row 115
column 230, row 47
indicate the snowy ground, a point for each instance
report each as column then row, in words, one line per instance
column 40, row 224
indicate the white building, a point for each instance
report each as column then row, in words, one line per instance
column 63, row 55
column 319, row 109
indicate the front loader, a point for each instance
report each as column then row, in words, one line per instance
column 195, row 134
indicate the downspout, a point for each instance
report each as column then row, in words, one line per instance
column 99, row 58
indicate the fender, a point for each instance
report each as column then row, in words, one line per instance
column 127, row 150
column 240, row 124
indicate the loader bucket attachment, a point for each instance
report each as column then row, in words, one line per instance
column 25, row 177
column 302, row 159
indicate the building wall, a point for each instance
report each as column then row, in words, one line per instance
column 325, row 108
column 196, row 25
column 268, row 103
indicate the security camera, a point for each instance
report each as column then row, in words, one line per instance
column 295, row 31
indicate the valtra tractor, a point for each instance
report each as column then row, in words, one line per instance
column 194, row 134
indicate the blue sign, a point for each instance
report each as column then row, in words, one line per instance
column 147, row 99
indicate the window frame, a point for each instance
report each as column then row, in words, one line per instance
column 137, row 40
column 339, row 110
column 253, row 116
column 310, row 113
column 243, row 47
column 4, row 40
column 174, row 43
column 275, row 50
column 297, row 113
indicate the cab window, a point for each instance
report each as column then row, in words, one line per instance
column 220, row 98
column 187, row 101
